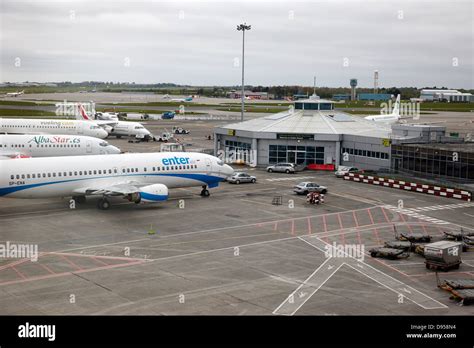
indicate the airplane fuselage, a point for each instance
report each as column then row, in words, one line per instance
column 45, row 145
column 70, row 176
column 44, row 126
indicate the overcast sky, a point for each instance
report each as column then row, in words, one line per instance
column 411, row 43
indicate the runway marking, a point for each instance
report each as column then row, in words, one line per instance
column 331, row 265
column 441, row 207
column 416, row 215
column 291, row 178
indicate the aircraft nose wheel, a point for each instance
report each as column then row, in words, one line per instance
column 205, row 192
column 103, row 204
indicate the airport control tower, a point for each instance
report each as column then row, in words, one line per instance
column 353, row 89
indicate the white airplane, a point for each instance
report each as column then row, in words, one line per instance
column 43, row 126
column 19, row 146
column 393, row 117
column 187, row 99
column 141, row 177
column 15, row 94
column 117, row 128
column 106, row 116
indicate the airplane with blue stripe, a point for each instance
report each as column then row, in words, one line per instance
column 139, row 178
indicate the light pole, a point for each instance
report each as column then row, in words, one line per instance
column 243, row 28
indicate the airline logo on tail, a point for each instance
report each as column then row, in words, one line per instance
column 83, row 113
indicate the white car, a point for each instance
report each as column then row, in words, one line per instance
column 304, row 188
column 341, row 171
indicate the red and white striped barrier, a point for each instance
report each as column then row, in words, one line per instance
column 411, row 186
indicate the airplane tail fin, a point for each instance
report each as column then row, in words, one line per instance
column 396, row 107
column 83, row 114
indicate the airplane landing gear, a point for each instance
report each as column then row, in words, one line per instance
column 103, row 204
column 205, row 192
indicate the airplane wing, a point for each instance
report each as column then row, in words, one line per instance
column 119, row 189
column 105, row 122
column 134, row 191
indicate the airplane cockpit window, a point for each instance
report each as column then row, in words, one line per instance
column 104, row 143
column 220, row 162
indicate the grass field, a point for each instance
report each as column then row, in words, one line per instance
column 23, row 113
column 17, row 103
column 426, row 106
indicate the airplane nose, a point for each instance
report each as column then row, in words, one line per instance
column 228, row 170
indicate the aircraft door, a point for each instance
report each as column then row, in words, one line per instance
column 88, row 146
column 208, row 166
column 79, row 128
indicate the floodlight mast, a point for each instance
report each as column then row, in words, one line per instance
column 243, row 27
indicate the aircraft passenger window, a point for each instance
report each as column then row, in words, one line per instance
column 28, row 176
column 60, row 174
column 100, row 171
column 12, row 177
column 153, row 168
column 54, row 174
column 44, row 175
column 144, row 169
column 115, row 171
column 22, row 176
column 49, row 175
column 65, row 174
column 95, row 171
column 75, row 173
column 128, row 170
column 80, row 172
column 33, row 176
column 110, row 171
column 136, row 170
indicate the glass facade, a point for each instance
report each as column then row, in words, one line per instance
column 296, row 154
column 433, row 162
column 313, row 106
column 365, row 153
column 237, row 145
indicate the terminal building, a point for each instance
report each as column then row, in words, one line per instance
column 310, row 132
column 313, row 132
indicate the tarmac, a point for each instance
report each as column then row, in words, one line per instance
column 233, row 253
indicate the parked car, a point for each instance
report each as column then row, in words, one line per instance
column 180, row 130
column 303, row 188
column 283, row 168
column 240, row 177
column 341, row 171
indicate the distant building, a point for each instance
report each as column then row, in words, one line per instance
column 341, row 97
column 374, row 96
column 300, row 96
column 447, row 95
column 248, row 94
